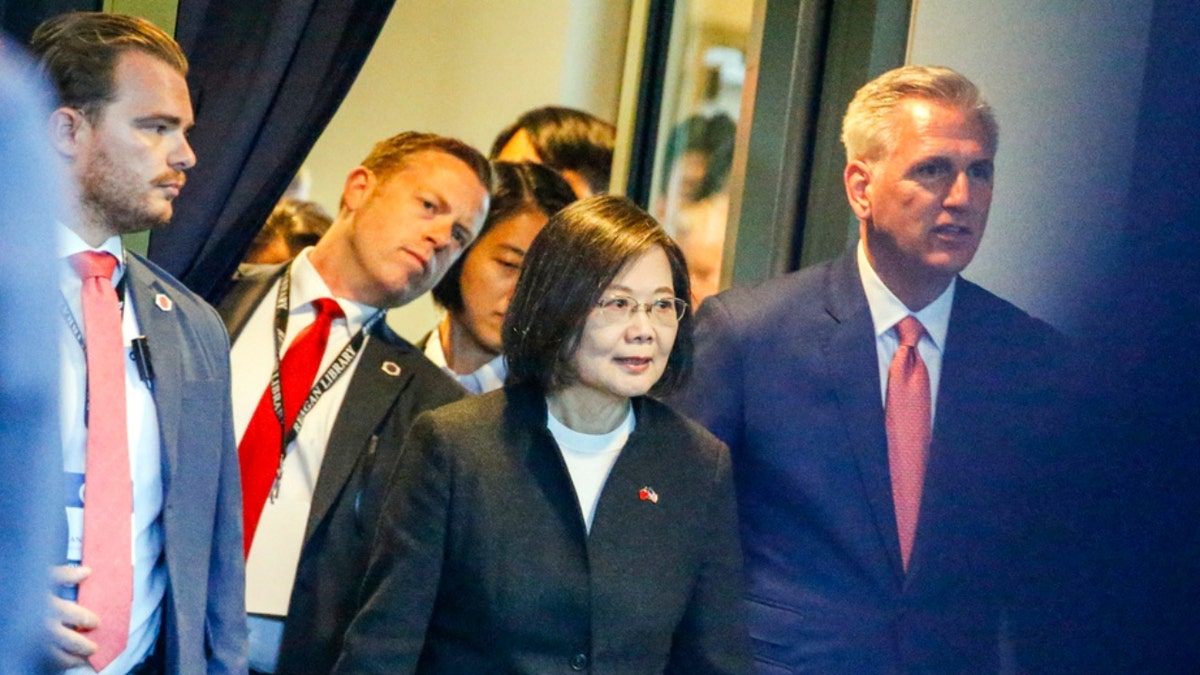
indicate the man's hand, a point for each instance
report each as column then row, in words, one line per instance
column 70, row 648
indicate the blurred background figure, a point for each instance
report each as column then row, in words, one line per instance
column 32, row 198
column 574, row 143
column 291, row 227
column 699, row 154
column 568, row 519
column 476, row 291
column 694, row 206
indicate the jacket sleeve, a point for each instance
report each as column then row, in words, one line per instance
column 401, row 585
column 713, row 637
column 225, row 614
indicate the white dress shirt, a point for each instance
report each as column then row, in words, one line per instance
column 275, row 551
column 488, row 377
column 145, row 460
column 887, row 310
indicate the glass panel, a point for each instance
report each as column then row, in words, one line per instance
column 706, row 68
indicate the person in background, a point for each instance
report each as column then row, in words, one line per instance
column 477, row 289
column 568, row 520
column 154, row 578
column 699, row 156
column 574, row 143
column 694, row 206
column 325, row 391
column 293, row 226
column 895, row 428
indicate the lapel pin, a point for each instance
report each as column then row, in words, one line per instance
column 391, row 368
column 163, row 302
column 647, row 494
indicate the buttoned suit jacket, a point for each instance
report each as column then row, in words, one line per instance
column 788, row 376
column 483, row 563
column 204, row 625
column 364, row 444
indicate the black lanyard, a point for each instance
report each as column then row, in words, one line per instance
column 323, row 383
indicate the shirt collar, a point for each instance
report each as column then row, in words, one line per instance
column 488, row 376
column 307, row 285
column 887, row 310
column 70, row 243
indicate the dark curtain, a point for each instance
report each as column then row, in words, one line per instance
column 266, row 77
column 20, row 17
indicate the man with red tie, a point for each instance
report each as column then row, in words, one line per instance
column 153, row 580
column 325, row 391
column 889, row 422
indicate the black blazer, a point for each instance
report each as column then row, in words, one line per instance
column 364, row 444
column 483, row 564
column 787, row 375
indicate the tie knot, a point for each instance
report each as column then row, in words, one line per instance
column 328, row 308
column 910, row 330
column 89, row 264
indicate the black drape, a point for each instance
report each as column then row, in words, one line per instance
column 20, row 17
column 266, row 77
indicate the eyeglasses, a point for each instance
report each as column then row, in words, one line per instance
column 621, row 308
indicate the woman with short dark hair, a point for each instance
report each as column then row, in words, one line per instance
column 568, row 521
column 478, row 287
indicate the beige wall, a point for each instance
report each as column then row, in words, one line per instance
column 467, row 68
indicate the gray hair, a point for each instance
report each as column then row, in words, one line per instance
column 867, row 128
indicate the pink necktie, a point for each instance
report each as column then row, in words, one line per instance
column 108, row 491
column 262, row 444
column 908, row 430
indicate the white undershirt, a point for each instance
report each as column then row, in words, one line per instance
column 145, row 457
column 887, row 310
column 590, row 458
column 275, row 552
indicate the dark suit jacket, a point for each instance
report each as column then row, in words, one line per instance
column 205, row 612
column 483, row 564
column 788, row 377
column 363, row 447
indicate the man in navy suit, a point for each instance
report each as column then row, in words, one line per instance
column 891, row 424
column 121, row 123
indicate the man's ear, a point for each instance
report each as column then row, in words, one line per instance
column 359, row 185
column 857, row 178
column 69, row 130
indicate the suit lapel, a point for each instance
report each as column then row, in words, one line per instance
column 371, row 393
column 853, row 365
column 161, row 327
column 639, row 461
column 248, row 291
column 544, row 460
column 952, row 431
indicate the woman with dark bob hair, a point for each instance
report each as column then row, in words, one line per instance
column 479, row 285
column 568, row 521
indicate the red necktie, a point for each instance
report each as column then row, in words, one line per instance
column 908, row 430
column 108, row 491
column 260, row 450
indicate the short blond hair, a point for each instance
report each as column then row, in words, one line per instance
column 867, row 128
